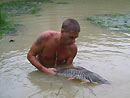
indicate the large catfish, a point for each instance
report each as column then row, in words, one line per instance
column 81, row 74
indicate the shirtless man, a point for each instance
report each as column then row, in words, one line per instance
column 53, row 48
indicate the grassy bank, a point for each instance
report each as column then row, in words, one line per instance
column 4, row 24
column 16, row 8
column 2, row 16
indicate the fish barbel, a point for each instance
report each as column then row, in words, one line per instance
column 81, row 74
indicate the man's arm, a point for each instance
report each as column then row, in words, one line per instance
column 72, row 56
column 36, row 48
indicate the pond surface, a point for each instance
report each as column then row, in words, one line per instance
column 99, row 50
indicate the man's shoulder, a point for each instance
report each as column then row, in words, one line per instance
column 49, row 33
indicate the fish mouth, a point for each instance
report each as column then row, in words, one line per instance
column 107, row 82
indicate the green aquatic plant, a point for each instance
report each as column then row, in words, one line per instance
column 2, row 16
column 15, row 8
column 18, row 7
column 43, row 1
column 112, row 21
column 62, row 3
column 34, row 10
column 6, row 25
column 3, row 21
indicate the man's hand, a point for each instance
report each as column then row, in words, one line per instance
column 51, row 71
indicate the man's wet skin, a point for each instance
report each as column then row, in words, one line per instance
column 53, row 48
column 56, row 53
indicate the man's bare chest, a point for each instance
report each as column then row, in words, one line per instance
column 48, row 54
column 63, row 53
column 56, row 53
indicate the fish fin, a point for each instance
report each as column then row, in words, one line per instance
column 90, row 80
column 79, row 67
column 71, row 78
column 83, row 82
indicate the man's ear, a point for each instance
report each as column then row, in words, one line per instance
column 62, row 30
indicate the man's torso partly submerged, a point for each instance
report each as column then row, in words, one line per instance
column 54, row 54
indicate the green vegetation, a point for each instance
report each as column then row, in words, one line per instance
column 19, row 7
column 4, row 24
column 2, row 16
column 112, row 21
column 62, row 3
column 16, row 8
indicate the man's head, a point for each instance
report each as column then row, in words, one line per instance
column 70, row 31
column 71, row 26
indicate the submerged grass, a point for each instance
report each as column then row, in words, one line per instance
column 62, row 3
column 112, row 21
column 19, row 7
column 16, row 8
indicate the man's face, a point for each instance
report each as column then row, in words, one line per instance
column 69, row 38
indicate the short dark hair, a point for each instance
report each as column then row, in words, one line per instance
column 71, row 25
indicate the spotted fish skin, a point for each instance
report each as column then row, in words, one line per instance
column 81, row 74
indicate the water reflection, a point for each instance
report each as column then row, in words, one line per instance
column 13, row 71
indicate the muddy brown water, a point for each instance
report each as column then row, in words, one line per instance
column 99, row 50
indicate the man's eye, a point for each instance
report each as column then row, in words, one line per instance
column 72, row 37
